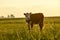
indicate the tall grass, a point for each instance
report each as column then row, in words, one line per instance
column 18, row 30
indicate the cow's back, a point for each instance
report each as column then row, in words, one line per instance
column 36, row 18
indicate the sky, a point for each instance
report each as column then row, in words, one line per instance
column 19, row 7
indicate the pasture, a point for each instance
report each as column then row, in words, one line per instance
column 16, row 29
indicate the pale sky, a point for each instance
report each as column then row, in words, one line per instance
column 19, row 7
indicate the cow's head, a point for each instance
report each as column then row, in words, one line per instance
column 27, row 16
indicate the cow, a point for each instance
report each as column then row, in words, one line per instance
column 35, row 18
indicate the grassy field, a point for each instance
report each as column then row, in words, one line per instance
column 16, row 29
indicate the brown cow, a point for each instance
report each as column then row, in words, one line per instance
column 36, row 18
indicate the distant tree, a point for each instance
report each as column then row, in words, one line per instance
column 8, row 16
column 2, row 16
column 12, row 16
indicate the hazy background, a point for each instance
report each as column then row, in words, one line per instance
column 19, row 7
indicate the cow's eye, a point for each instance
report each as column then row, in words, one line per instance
column 26, row 16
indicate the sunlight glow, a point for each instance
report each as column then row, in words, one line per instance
column 18, row 7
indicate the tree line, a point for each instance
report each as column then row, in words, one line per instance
column 8, row 16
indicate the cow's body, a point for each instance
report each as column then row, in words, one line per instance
column 36, row 18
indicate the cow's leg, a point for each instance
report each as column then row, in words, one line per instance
column 28, row 26
column 31, row 25
column 41, row 26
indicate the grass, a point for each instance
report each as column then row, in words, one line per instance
column 16, row 29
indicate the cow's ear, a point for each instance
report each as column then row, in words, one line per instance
column 24, row 14
column 30, row 13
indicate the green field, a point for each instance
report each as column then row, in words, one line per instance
column 16, row 29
